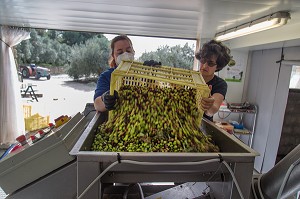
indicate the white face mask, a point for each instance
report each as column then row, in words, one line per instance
column 124, row 56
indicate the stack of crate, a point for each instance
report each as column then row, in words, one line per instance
column 34, row 122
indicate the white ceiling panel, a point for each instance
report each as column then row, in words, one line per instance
column 189, row 19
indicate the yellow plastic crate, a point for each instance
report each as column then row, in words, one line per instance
column 27, row 111
column 136, row 74
column 35, row 122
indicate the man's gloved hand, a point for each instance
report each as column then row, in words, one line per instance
column 152, row 63
column 110, row 100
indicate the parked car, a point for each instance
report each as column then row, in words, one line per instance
column 34, row 71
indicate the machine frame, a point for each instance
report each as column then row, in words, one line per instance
column 239, row 156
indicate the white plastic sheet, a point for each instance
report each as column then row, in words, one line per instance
column 11, row 110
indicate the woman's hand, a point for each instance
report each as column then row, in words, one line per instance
column 207, row 103
column 152, row 63
column 211, row 104
column 110, row 100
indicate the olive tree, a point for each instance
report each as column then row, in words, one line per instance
column 176, row 56
column 90, row 58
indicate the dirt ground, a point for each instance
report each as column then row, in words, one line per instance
column 61, row 96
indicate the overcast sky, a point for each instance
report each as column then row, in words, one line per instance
column 148, row 44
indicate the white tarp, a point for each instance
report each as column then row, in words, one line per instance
column 11, row 110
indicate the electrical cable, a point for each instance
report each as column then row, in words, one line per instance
column 286, row 177
column 144, row 164
column 234, row 179
column 100, row 176
column 223, row 184
column 203, row 191
column 219, row 168
column 259, row 188
column 140, row 191
column 164, row 164
column 126, row 192
column 224, row 117
column 253, row 188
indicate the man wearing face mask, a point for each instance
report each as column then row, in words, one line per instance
column 121, row 49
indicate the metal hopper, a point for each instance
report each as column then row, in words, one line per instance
column 165, row 167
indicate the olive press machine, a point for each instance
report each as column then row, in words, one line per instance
column 100, row 173
column 44, row 169
column 48, row 169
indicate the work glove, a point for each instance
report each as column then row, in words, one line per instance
column 152, row 63
column 110, row 100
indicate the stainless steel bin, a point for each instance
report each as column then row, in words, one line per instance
column 238, row 155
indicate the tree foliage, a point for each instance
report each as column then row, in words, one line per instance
column 71, row 38
column 176, row 56
column 83, row 54
column 51, row 47
column 41, row 49
column 89, row 58
column 24, row 52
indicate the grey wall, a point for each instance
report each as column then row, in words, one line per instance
column 290, row 136
column 268, row 86
column 235, row 89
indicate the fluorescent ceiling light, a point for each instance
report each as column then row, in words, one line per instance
column 271, row 21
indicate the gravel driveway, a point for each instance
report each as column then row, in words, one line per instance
column 61, row 96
